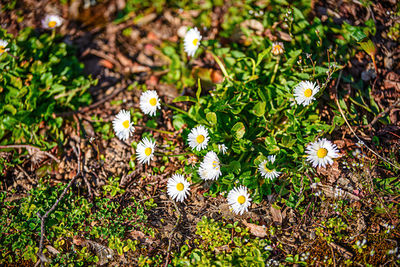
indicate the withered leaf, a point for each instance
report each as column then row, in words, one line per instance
column 276, row 215
column 257, row 230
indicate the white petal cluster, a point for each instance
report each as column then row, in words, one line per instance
column 52, row 21
column 222, row 148
column 198, row 138
column 304, row 92
column 178, row 187
column 149, row 102
column 192, row 41
column 321, row 153
column 239, row 200
column 277, row 48
column 3, row 45
column 145, row 150
column 265, row 169
column 123, row 127
column 210, row 168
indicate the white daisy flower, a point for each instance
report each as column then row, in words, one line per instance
column 222, row 148
column 3, row 45
column 277, row 48
column 52, row 21
column 304, row 92
column 192, row 41
column 149, row 102
column 321, row 153
column 266, row 169
column 145, row 150
column 198, row 138
column 210, row 168
column 178, row 188
column 122, row 125
column 239, row 199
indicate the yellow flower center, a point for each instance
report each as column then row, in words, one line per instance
column 126, row 124
column 200, row 138
column 322, row 152
column 52, row 24
column 180, row 187
column 276, row 49
column 153, row 101
column 2, row 49
column 195, row 41
column 215, row 164
column 241, row 199
column 148, row 151
column 266, row 169
column 307, row 92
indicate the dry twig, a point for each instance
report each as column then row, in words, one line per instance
column 31, row 147
column 351, row 129
column 43, row 218
column 172, row 232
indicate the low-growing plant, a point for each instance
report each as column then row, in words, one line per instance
column 255, row 114
column 105, row 220
column 223, row 244
column 40, row 76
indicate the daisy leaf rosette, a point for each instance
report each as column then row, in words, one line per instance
column 267, row 106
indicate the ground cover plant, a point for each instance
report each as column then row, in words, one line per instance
column 198, row 133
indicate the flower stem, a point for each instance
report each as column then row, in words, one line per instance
column 220, row 64
column 156, row 130
column 275, row 69
column 172, row 155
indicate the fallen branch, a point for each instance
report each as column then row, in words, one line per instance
column 43, row 218
column 31, row 147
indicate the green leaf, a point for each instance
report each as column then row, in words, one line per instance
column 211, row 117
column 198, row 92
column 10, row 108
column 234, row 166
column 261, row 56
column 259, row 109
column 184, row 98
column 239, row 130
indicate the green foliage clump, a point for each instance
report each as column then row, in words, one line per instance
column 222, row 244
column 254, row 113
column 39, row 76
column 103, row 220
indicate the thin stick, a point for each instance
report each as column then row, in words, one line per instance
column 354, row 133
column 98, row 103
column 43, row 218
column 383, row 113
column 31, row 180
column 156, row 130
column 31, row 147
column 170, row 235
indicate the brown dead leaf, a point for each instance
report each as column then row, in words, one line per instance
column 224, row 248
column 284, row 36
column 216, row 76
column 125, row 62
column 137, row 235
column 52, row 250
column 253, row 24
column 276, row 215
column 332, row 172
column 146, row 19
column 106, row 64
column 332, row 192
column 257, row 230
